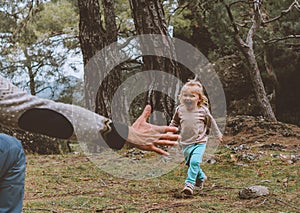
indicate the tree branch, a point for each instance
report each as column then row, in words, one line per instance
column 295, row 4
column 241, row 1
column 44, row 88
column 23, row 22
column 256, row 23
column 274, row 40
column 233, row 24
column 125, row 44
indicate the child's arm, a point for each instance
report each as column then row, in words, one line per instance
column 214, row 126
column 175, row 120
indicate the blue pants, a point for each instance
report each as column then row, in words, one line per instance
column 193, row 155
column 12, row 174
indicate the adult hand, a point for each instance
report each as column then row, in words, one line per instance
column 221, row 138
column 146, row 136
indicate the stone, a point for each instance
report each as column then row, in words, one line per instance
column 253, row 192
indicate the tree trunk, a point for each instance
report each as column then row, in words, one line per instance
column 110, row 21
column 31, row 74
column 99, row 87
column 149, row 19
column 258, row 84
column 248, row 51
column 91, row 36
column 254, row 70
column 110, row 82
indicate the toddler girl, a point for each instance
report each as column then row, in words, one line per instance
column 193, row 118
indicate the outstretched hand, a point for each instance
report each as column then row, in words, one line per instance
column 146, row 136
column 221, row 138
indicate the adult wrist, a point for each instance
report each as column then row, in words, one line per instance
column 117, row 136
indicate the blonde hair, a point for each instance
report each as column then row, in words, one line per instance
column 194, row 86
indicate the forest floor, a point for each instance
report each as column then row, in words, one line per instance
column 255, row 152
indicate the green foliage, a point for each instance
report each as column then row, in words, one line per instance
column 56, row 18
column 124, row 19
column 176, row 16
column 37, row 37
column 212, row 16
column 206, row 25
column 7, row 23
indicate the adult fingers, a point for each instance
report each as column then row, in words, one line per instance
column 172, row 137
column 166, row 143
column 165, row 128
column 141, row 120
column 146, row 113
column 159, row 151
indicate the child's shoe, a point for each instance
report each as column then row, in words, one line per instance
column 200, row 183
column 188, row 189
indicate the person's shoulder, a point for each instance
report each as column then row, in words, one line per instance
column 204, row 108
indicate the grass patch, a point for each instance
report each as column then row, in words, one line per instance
column 73, row 183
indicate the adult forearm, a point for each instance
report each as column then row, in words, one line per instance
column 24, row 111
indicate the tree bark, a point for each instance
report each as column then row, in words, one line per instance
column 93, row 38
column 247, row 48
column 110, row 21
column 30, row 72
column 254, row 70
column 149, row 19
column 110, row 82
